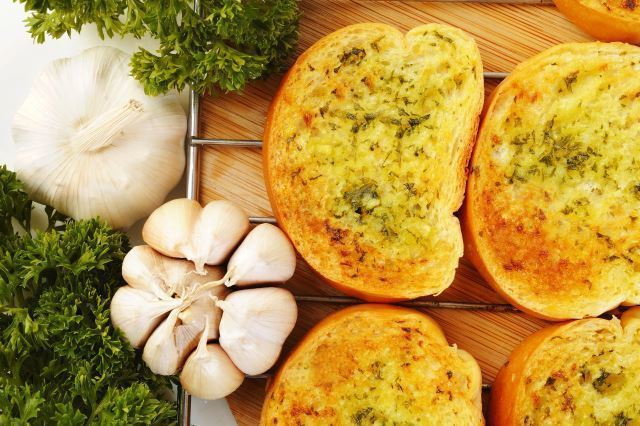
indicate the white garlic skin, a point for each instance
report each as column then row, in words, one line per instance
column 209, row 373
column 148, row 270
column 137, row 313
column 265, row 256
column 91, row 143
column 170, row 344
column 255, row 323
column 206, row 236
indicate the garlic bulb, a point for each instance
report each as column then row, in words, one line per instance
column 91, row 143
column 209, row 373
column 137, row 313
column 255, row 323
column 169, row 345
column 265, row 256
column 181, row 228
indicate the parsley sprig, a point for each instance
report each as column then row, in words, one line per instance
column 61, row 361
column 235, row 41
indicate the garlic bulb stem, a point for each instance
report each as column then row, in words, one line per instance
column 229, row 279
column 103, row 130
column 202, row 344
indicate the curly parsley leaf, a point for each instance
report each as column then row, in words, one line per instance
column 234, row 42
column 61, row 361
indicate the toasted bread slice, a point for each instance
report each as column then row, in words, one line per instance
column 585, row 372
column 552, row 215
column 366, row 145
column 606, row 20
column 375, row 364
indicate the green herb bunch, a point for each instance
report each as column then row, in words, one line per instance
column 61, row 360
column 234, row 41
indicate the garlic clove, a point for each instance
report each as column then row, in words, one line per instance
column 265, row 256
column 148, row 270
column 209, row 373
column 204, row 310
column 168, row 229
column 142, row 268
column 254, row 325
column 219, row 229
column 252, row 356
column 183, row 229
column 170, row 344
column 137, row 313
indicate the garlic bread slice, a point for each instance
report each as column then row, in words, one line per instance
column 365, row 151
column 606, row 20
column 375, row 364
column 552, row 215
column 585, row 372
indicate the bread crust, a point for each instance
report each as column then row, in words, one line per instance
column 366, row 285
column 479, row 248
column 503, row 403
column 429, row 328
column 601, row 25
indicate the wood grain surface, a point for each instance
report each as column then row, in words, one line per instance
column 506, row 34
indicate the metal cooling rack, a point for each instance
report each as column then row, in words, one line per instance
column 195, row 144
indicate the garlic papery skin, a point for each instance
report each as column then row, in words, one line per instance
column 91, row 143
column 137, row 313
column 209, row 373
column 170, row 344
column 204, row 310
column 255, row 323
column 206, row 236
column 146, row 269
column 265, row 256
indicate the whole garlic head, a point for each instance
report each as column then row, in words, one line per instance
column 91, row 143
column 255, row 323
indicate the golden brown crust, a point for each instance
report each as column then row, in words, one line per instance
column 543, row 220
column 524, row 366
column 502, row 405
column 327, row 365
column 347, row 247
column 608, row 20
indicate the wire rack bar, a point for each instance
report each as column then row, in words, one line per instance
column 434, row 304
column 262, row 219
column 256, row 143
column 235, row 143
column 193, row 187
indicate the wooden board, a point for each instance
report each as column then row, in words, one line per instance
column 506, row 34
